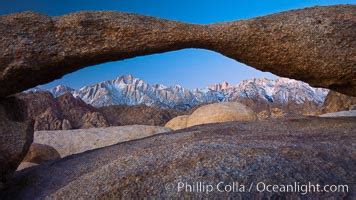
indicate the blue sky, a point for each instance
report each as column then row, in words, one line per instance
column 192, row 67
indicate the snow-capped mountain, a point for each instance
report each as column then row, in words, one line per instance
column 61, row 89
column 133, row 91
column 281, row 90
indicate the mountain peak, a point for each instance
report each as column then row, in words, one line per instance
column 127, row 79
column 129, row 90
column 219, row 86
column 61, row 89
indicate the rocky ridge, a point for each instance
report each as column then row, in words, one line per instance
column 63, row 112
column 265, row 93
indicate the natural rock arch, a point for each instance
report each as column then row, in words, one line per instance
column 316, row 45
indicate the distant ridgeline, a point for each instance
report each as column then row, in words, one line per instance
column 127, row 90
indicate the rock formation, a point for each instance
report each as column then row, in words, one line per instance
column 316, row 45
column 316, row 150
column 24, row 165
column 335, row 102
column 64, row 112
column 80, row 140
column 221, row 112
column 179, row 122
column 41, row 153
column 350, row 113
column 16, row 134
column 121, row 115
column 213, row 113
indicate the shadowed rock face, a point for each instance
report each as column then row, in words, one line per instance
column 16, row 134
column 318, row 150
column 41, row 153
column 316, row 45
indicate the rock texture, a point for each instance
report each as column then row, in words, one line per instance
column 80, row 140
column 221, row 112
column 121, row 115
column 176, row 123
column 318, row 150
column 24, row 165
column 335, row 102
column 16, row 135
column 213, row 113
column 351, row 113
column 41, row 153
column 64, row 112
column 315, row 45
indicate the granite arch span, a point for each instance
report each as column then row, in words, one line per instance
column 316, row 45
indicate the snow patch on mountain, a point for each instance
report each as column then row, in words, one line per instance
column 129, row 90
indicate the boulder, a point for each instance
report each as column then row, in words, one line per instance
column 335, row 102
column 315, row 45
column 68, row 142
column 179, row 122
column 213, row 113
column 350, row 113
column 16, row 135
column 284, row 152
column 41, row 153
column 221, row 112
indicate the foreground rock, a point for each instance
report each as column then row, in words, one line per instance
column 41, row 153
column 213, row 113
column 316, row 150
column 315, row 45
column 38, row 154
column 24, row 165
column 68, row 142
column 16, row 134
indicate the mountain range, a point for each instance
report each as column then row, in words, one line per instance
column 128, row 90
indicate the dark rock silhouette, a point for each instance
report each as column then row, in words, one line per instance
column 318, row 150
column 316, row 45
column 16, row 135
